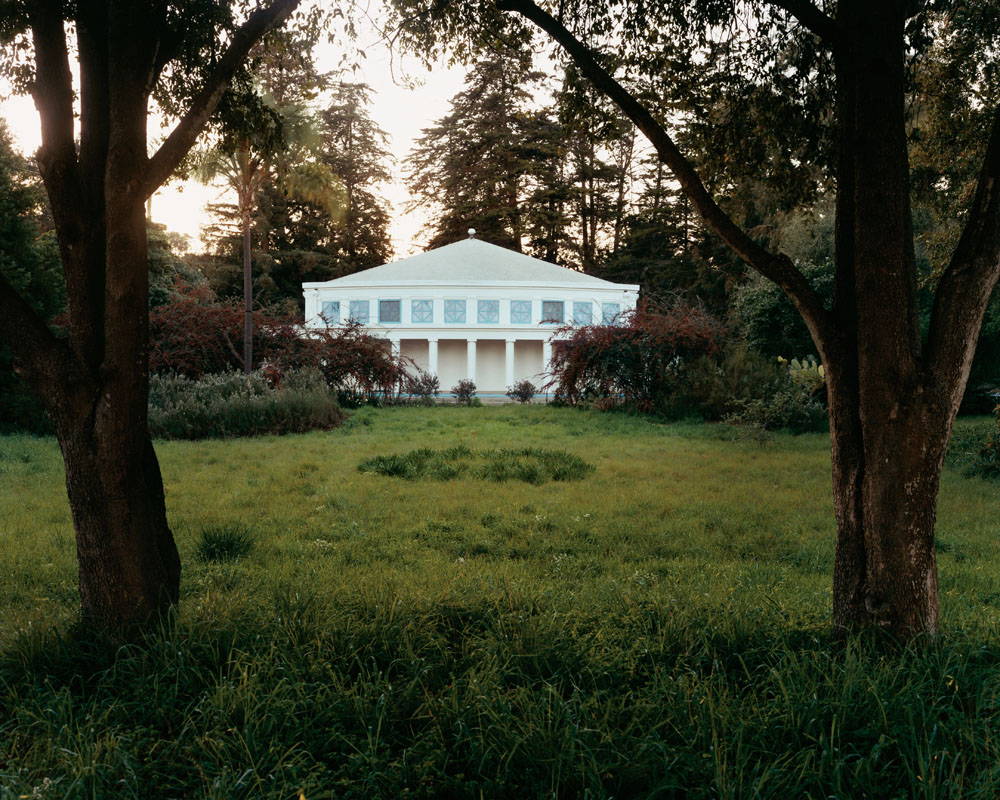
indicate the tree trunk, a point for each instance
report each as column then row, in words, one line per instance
column 94, row 383
column 885, row 500
column 129, row 568
column 888, row 431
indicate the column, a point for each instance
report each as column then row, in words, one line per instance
column 394, row 343
column 510, row 363
column 472, row 360
column 432, row 356
column 546, row 355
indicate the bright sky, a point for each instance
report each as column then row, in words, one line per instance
column 401, row 112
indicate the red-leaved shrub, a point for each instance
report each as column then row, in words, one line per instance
column 636, row 363
column 194, row 335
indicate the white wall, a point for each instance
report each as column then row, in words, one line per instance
column 623, row 294
column 528, row 362
column 418, row 350
column 451, row 362
column 491, row 365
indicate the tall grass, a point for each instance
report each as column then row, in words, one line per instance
column 233, row 404
column 658, row 628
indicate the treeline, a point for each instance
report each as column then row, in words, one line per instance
column 541, row 165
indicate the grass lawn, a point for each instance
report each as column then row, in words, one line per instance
column 657, row 627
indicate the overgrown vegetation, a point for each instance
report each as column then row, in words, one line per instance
column 528, row 464
column 233, row 404
column 986, row 461
column 424, row 387
column 682, row 361
column 195, row 334
column 658, row 628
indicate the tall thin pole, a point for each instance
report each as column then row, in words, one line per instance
column 247, row 301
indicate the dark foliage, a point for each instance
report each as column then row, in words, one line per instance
column 194, row 335
column 424, row 387
column 638, row 363
column 464, row 391
column 522, row 391
column 987, row 460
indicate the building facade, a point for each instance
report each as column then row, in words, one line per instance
column 469, row 310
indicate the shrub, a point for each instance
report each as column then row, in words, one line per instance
column 464, row 391
column 715, row 386
column 220, row 543
column 637, row 363
column 522, row 391
column 359, row 366
column 194, row 335
column 986, row 463
column 233, row 404
column 790, row 407
column 766, row 318
column 424, row 386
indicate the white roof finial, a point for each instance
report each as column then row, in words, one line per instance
column 472, row 233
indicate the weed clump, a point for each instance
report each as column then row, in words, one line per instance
column 221, row 543
column 528, row 464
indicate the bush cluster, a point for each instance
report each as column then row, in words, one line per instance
column 637, row 364
column 986, row 462
column 194, row 335
column 679, row 362
column 234, row 404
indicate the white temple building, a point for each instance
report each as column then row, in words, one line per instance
column 469, row 310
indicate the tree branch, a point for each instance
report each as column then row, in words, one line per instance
column 965, row 288
column 183, row 137
column 52, row 91
column 50, row 362
column 777, row 268
column 813, row 20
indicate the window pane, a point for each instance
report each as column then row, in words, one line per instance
column 520, row 312
column 330, row 312
column 583, row 313
column 454, row 311
column 489, row 312
column 552, row 312
column 422, row 311
column 610, row 312
column 389, row 310
column 359, row 311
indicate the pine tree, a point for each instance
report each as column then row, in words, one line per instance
column 473, row 164
column 356, row 152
